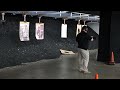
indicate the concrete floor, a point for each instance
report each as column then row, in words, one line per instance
column 61, row 68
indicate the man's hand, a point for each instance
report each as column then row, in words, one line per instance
column 92, row 38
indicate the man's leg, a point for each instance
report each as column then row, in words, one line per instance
column 86, row 61
column 81, row 67
column 85, row 57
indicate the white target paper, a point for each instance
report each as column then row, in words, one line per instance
column 79, row 27
column 39, row 33
column 64, row 31
column 24, row 31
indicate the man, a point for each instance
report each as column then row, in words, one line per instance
column 83, row 53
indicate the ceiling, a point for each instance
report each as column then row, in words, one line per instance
column 83, row 15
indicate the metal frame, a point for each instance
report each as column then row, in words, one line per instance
column 59, row 14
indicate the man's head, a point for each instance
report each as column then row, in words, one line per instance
column 85, row 29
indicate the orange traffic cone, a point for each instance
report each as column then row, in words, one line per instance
column 96, row 76
column 112, row 62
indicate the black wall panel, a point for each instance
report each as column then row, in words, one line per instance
column 14, row 52
column 115, row 35
column 104, row 36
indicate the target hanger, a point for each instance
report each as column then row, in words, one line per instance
column 65, row 18
column 95, row 18
column 24, row 17
column 71, row 15
column 3, row 14
column 39, row 18
column 79, row 21
column 60, row 14
column 84, row 22
column 88, row 18
column 64, row 21
column 80, row 15
column 24, row 13
column 13, row 13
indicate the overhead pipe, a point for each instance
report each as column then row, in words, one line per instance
column 60, row 12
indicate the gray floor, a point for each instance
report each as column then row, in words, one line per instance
column 61, row 68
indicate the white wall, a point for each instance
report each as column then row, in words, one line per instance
column 94, row 26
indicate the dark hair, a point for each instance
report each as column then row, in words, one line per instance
column 84, row 28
